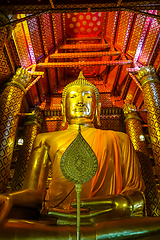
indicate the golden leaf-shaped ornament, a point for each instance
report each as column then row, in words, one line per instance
column 79, row 163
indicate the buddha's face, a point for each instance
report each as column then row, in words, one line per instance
column 80, row 105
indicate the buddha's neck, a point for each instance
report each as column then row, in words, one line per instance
column 76, row 126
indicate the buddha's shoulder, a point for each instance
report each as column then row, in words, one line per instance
column 44, row 137
column 121, row 135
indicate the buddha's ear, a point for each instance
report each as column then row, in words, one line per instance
column 63, row 114
column 98, row 112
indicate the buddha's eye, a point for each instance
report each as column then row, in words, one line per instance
column 73, row 96
column 88, row 96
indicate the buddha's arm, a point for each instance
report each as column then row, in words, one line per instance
column 109, row 207
column 129, row 203
column 33, row 191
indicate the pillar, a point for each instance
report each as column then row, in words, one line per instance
column 151, row 94
column 10, row 104
column 5, row 32
column 135, row 131
column 32, row 127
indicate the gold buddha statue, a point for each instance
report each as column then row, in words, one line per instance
column 114, row 195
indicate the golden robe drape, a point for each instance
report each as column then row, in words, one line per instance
column 118, row 169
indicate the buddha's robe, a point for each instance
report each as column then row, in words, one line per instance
column 118, row 169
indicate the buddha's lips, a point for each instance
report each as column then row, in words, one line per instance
column 81, row 109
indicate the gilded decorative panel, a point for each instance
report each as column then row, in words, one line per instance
column 142, row 38
column 122, row 28
column 48, row 30
column 110, row 24
column 56, row 103
column 155, row 61
column 150, row 41
column 136, row 34
column 13, row 52
column 5, row 71
column 21, row 45
column 58, row 20
column 105, row 100
column 28, row 40
column 35, row 37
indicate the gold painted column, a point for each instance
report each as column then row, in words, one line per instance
column 10, row 103
column 135, row 131
column 5, row 32
column 151, row 94
column 32, row 127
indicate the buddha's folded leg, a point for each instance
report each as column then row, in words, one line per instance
column 147, row 228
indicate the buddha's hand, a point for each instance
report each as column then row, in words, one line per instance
column 120, row 205
column 97, row 209
column 108, row 207
column 22, row 76
column 6, row 204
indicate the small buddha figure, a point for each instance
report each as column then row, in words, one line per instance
column 115, row 192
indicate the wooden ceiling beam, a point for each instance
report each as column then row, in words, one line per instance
column 83, row 63
column 34, row 81
column 84, row 54
column 82, row 46
column 37, row 10
column 84, row 38
column 136, row 81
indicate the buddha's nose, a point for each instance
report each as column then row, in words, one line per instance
column 80, row 104
column 80, row 101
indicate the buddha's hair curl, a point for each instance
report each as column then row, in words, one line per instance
column 80, row 81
